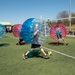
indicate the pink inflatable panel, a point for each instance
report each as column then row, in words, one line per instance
column 53, row 30
column 16, row 30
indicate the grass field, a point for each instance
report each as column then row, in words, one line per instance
column 11, row 62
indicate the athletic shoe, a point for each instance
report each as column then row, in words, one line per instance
column 24, row 56
column 47, row 56
column 66, row 43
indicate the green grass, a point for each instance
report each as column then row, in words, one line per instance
column 11, row 62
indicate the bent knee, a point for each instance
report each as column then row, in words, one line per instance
column 41, row 47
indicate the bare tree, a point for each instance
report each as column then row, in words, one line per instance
column 63, row 14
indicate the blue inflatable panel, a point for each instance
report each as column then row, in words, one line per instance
column 2, row 30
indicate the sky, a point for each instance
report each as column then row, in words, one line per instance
column 17, row 11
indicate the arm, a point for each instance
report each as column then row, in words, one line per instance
column 35, row 32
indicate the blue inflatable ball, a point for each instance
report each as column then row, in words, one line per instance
column 2, row 30
column 28, row 28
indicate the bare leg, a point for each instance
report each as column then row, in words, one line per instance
column 64, row 41
column 28, row 51
column 25, row 54
column 45, row 54
column 42, row 50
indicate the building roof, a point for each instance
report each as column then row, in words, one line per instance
column 5, row 23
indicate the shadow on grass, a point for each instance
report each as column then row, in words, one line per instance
column 4, row 44
column 56, row 43
column 23, row 43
